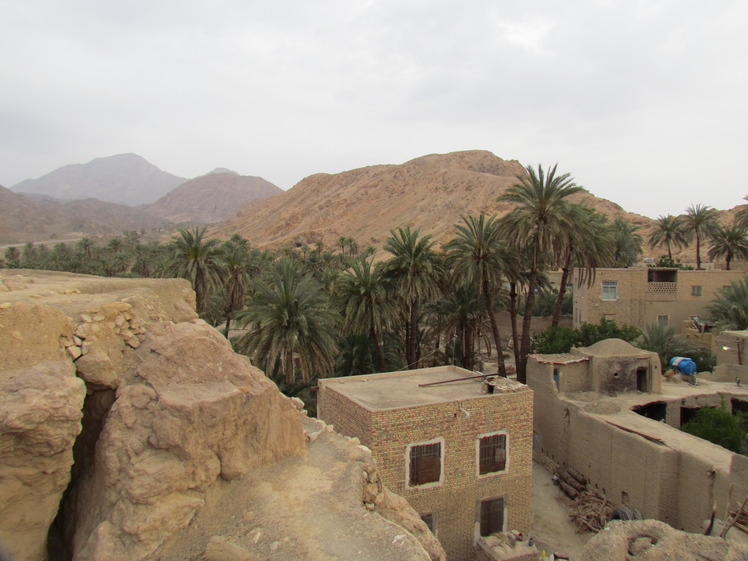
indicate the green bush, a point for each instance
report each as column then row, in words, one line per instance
column 562, row 339
column 719, row 427
column 555, row 340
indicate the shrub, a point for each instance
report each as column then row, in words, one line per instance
column 562, row 339
column 555, row 340
column 719, row 427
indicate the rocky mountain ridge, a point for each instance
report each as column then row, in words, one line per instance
column 430, row 193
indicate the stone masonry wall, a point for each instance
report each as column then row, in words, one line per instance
column 456, row 504
column 348, row 418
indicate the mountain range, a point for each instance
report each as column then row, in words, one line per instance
column 431, row 193
column 77, row 200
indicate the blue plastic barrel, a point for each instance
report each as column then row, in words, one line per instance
column 683, row 365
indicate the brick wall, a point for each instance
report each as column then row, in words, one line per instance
column 348, row 418
column 456, row 501
column 638, row 303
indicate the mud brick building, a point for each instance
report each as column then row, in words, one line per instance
column 642, row 296
column 460, row 451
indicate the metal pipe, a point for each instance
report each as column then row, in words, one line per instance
column 457, row 380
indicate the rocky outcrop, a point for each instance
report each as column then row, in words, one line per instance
column 169, row 410
column 41, row 402
column 651, row 540
column 129, row 430
column 327, row 504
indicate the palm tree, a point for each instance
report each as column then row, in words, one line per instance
column 585, row 242
column 85, row 246
column 627, row 244
column 413, row 269
column 478, row 255
column 355, row 356
column 669, row 231
column 235, row 278
column 729, row 310
column 460, row 312
column 12, row 257
column 728, row 242
column 700, row 221
column 365, row 302
column 536, row 222
column 198, row 261
column 290, row 316
column 663, row 340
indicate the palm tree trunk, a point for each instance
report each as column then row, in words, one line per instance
column 513, row 313
column 526, row 327
column 698, row 252
column 561, row 293
column 494, row 328
column 413, row 343
column 288, row 369
column 467, row 347
column 377, row 348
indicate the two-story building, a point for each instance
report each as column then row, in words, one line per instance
column 643, row 296
column 458, row 447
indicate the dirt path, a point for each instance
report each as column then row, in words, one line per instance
column 552, row 529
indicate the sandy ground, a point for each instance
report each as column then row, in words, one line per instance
column 552, row 529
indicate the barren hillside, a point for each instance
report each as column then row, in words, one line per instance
column 211, row 198
column 25, row 218
column 431, row 193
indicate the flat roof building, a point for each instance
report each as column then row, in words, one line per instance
column 642, row 296
column 458, row 448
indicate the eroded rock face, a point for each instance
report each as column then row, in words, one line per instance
column 651, row 540
column 40, row 414
column 41, row 402
column 170, row 410
column 190, row 412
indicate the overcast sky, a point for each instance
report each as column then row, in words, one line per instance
column 643, row 102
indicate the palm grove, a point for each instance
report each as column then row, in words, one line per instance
column 304, row 312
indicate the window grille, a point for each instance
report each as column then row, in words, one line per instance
column 492, row 454
column 425, row 463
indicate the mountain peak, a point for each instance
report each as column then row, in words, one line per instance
column 123, row 178
column 221, row 170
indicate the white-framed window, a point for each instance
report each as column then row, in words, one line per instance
column 695, row 290
column 610, row 290
column 424, row 461
column 492, row 453
column 663, row 319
